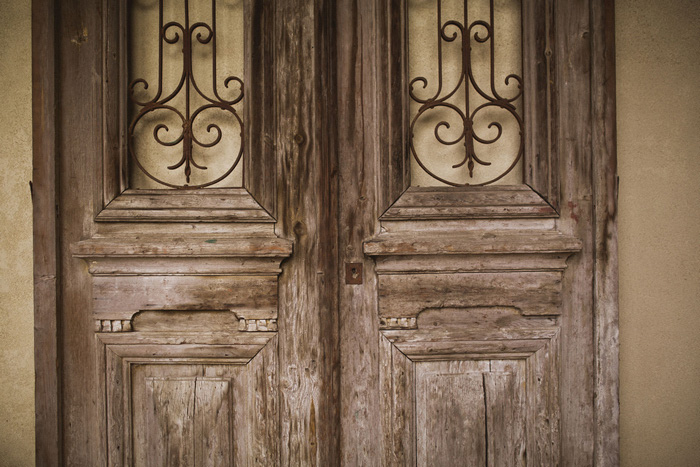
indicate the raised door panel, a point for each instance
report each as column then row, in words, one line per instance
column 474, row 384
column 184, row 401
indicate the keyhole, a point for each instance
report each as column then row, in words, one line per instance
column 353, row 273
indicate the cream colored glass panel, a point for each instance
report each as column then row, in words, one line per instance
column 451, row 162
column 221, row 106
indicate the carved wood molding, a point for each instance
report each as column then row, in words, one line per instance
column 202, row 205
column 522, row 270
column 471, row 317
column 244, row 325
column 185, row 273
column 112, row 325
column 489, row 202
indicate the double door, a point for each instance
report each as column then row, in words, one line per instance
column 318, row 304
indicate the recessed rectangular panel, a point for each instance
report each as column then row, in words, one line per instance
column 184, row 420
column 471, row 410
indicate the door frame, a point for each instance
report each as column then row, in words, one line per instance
column 592, row 89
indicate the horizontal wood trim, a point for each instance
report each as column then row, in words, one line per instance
column 121, row 297
column 168, row 247
column 194, row 266
column 407, row 295
column 203, row 205
column 501, row 201
column 211, row 345
column 471, row 263
column 475, row 242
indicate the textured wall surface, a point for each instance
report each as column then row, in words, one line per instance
column 16, row 312
column 658, row 62
column 658, row 50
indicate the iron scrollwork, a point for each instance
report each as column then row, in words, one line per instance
column 176, row 33
column 482, row 32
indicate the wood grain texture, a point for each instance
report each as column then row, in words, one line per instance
column 471, row 242
column 204, row 205
column 307, row 213
column 407, row 295
column 79, row 88
column 165, row 246
column 197, row 404
column 167, row 435
column 541, row 161
column 47, row 400
column 358, row 23
column 506, row 422
column 120, row 297
column 488, row 399
column 259, row 157
column 572, row 56
column 451, row 413
column 490, row 202
column 607, row 404
column 487, row 301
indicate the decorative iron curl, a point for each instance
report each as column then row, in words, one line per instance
column 186, row 34
column 481, row 31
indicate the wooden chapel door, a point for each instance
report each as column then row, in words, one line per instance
column 323, row 308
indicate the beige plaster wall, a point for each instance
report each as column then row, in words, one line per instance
column 658, row 64
column 16, row 308
column 658, row 50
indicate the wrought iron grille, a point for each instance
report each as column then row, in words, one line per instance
column 477, row 100
column 186, row 103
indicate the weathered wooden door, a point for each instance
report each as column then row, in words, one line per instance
column 318, row 258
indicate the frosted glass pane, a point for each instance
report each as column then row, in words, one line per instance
column 185, row 116
column 465, row 69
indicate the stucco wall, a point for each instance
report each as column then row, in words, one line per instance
column 16, row 306
column 658, row 63
column 658, row 49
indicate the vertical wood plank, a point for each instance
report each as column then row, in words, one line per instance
column 47, row 398
column 540, row 165
column 543, row 412
column 573, row 134
column 262, row 410
column 357, row 149
column 385, row 400
column 168, row 429
column 403, row 410
column 451, row 412
column 607, row 404
column 451, row 415
column 78, row 120
column 505, row 412
column 212, row 422
column 392, row 117
column 259, row 167
column 307, row 213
